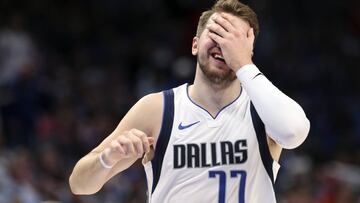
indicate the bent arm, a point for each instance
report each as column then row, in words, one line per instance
column 284, row 119
column 89, row 175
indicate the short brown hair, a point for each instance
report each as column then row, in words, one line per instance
column 234, row 7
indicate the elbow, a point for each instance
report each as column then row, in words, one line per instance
column 294, row 134
column 77, row 189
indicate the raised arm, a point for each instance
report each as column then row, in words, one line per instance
column 285, row 121
column 127, row 143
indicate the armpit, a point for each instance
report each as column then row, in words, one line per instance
column 274, row 148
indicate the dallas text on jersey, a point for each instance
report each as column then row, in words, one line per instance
column 196, row 155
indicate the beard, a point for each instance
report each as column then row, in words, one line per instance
column 223, row 79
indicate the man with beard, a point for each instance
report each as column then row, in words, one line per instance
column 217, row 140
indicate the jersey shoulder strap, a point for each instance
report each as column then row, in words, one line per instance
column 164, row 136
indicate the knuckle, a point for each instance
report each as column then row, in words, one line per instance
column 143, row 136
column 118, row 139
column 125, row 135
column 145, row 141
column 113, row 144
column 221, row 20
column 140, row 134
column 137, row 141
column 126, row 141
column 134, row 140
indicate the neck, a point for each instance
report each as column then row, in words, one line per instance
column 213, row 97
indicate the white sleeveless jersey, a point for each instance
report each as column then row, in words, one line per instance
column 205, row 159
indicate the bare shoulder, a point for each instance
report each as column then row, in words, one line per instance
column 152, row 100
column 146, row 114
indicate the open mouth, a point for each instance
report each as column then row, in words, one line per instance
column 218, row 57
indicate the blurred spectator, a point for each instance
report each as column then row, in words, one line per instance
column 70, row 70
column 18, row 180
column 17, row 51
column 18, row 86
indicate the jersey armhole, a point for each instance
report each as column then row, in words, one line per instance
column 164, row 136
column 261, row 136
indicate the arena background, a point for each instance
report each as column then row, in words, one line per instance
column 69, row 71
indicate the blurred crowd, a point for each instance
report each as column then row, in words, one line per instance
column 70, row 70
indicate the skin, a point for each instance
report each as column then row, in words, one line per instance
column 235, row 38
column 224, row 33
column 215, row 86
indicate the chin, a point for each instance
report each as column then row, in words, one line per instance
column 222, row 71
column 222, row 76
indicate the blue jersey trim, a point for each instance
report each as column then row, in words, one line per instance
column 187, row 93
column 164, row 136
column 262, row 140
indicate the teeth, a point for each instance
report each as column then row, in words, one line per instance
column 218, row 56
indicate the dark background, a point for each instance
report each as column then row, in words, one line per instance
column 70, row 70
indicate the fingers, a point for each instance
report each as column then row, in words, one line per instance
column 227, row 26
column 127, row 145
column 231, row 19
column 146, row 141
column 219, row 25
column 138, row 142
column 116, row 147
column 113, row 153
column 133, row 143
column 235, row 23
column 216, row 28
column 218, row 39
column 223, row 22
column 151, row 140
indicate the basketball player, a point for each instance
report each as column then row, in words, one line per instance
column 216, row 140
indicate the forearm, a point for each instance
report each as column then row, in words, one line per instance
column 284, row 119
column 89, row 175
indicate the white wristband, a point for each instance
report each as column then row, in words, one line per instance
column 102, row 162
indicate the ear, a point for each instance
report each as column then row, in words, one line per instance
column 194, row 47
